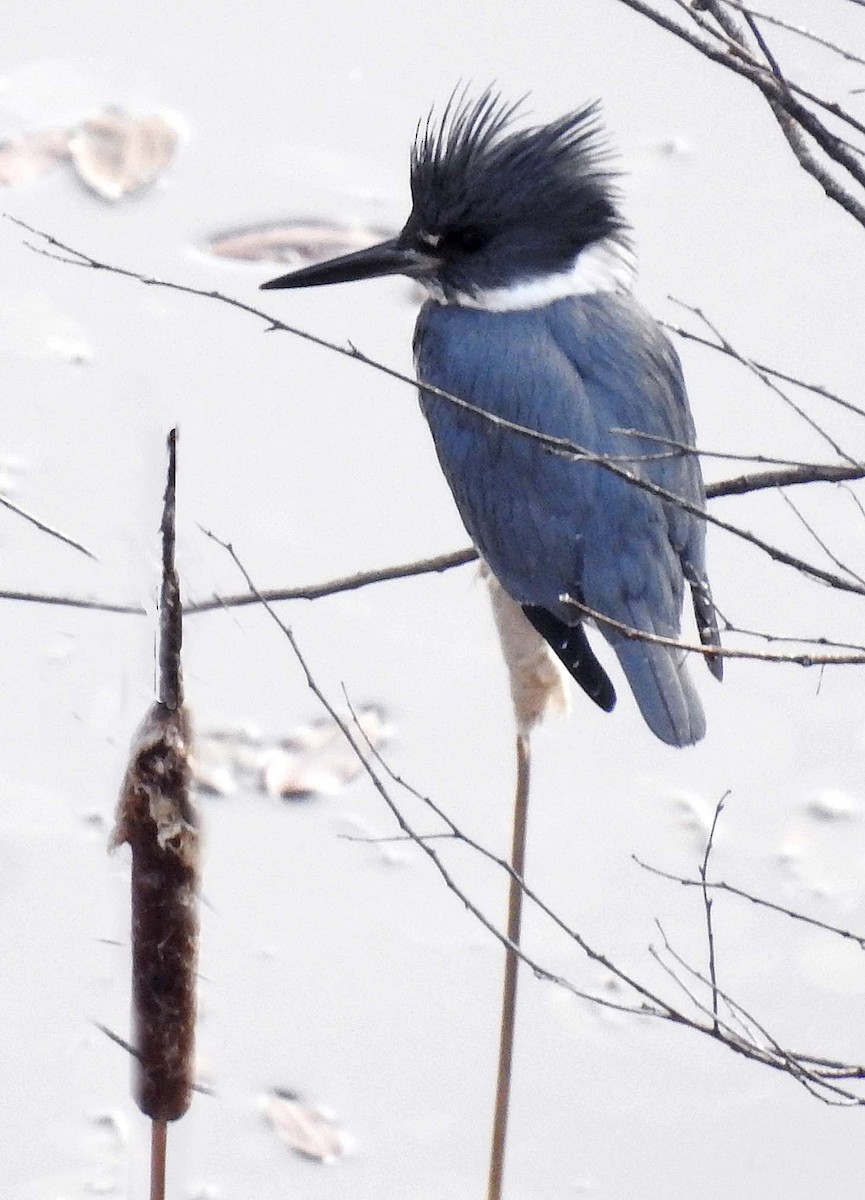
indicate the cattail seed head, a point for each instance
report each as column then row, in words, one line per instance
column 155, row 817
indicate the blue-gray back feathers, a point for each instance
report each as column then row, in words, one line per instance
column 586, row 368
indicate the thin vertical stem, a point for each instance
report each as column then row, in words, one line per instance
column 158, row 1149
column 509, row 991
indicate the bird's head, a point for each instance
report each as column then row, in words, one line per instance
column 502, row 216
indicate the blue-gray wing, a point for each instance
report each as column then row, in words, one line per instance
column 598, row 371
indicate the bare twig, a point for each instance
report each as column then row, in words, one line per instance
column 762, row 43
column 780, row 96
column 651, row 1006
column 767, row 381
column 679, row 449
column 556, row 445
column 792, row 477
column 819, row 1082
column 117, row 1039
column 799, row 30
column 345, row 583
column 759, row 901
column 821, row 542
column 816, row 388
column 707, row 904
column 50, row 530
column 640, row 635
column 56, row 601
column 819, row 1075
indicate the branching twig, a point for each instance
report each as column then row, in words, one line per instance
column 817, row 389
column 764, row 379
column 799, row 30
column 821, row 542
column 780, row 97
column 759, row 901
column 652, row 1006
column 818, row 1075
column 641, row 635
column 556, row 445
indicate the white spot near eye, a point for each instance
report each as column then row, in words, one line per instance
column 429, row 239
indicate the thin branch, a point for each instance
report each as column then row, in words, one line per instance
column 763, row 44
column 758, row 901
column 728, row 1037
column 651, row 1005
column 50, row 530
column 733, row 38
column 735, row 1027
column 108, row 606
column 345, row 583
column 730, row 626
column 736, row 486
column 117, row 1039
column 707, row 904
column 718, row 1028
column 781, row 1061
column 657, row 639
column 799, row 30
column 314, row 591
column 766, row 381
column 741, row 485
column 783, row 104
column 557, row 445
column 774, row 91
column 816, row 388
column 799, row 1067
column 830, row 554
column 678, row 449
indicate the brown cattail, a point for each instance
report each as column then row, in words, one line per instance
column 157, row 820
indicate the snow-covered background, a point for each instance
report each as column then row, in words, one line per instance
column 344, row 969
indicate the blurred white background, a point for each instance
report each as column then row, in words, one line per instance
column 346, row 970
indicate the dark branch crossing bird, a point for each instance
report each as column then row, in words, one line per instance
column 517, row 237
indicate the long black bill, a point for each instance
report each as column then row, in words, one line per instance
column 387, row 258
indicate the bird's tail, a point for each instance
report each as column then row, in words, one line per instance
column 662, row 687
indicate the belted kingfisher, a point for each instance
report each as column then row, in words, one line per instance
column 516, row 235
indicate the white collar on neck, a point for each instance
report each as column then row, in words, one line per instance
column 605, row 266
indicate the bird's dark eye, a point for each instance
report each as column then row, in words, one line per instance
column 469, row 239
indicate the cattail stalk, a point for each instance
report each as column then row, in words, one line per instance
column 512, row 962
column 537, row 689
column 156, row 819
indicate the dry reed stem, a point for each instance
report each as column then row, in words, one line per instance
column 509, row 990
column 158, row 1153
